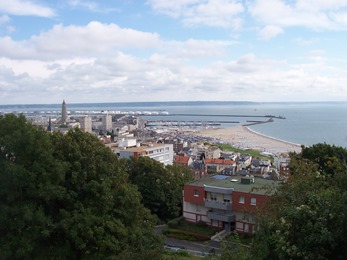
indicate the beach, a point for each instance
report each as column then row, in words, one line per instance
column 244, row 138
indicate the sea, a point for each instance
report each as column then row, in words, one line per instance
column 304, row 123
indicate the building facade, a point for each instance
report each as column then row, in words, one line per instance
column 161, row 152
column 86, row 124
column 107, row 123
column 227, row 202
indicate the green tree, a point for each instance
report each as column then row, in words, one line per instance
column 67, row 196
column 231, row 248
column 306, row 218
column 161, row 187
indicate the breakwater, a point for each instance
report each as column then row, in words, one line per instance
column 226, row 115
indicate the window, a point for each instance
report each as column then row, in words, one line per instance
column 242, row 199
column 246, row 228
column 213, row 196
column 197, row 207
column 196, row 193
column 253, row 201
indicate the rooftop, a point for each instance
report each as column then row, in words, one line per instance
column 259, row 186
column 142, row 147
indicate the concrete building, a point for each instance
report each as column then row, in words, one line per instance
column 63, row 118
column 227, row 202
column 161, row 152
column 86, row 124
column 107, row 123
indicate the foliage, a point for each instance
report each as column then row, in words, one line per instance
column 331, row 159
column 67, row 196
column 231, row 248
column 307, row 217
column 160, row 187
column 174, row 223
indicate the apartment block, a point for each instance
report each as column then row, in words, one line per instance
column 161, row 152
column 86, row 124
column 107, row 122
column 227, row 202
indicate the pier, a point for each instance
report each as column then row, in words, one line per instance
column 154, row 123
column 216, row 115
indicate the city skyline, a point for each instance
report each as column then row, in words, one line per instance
column 157, row 50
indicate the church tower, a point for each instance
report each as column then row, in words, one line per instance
column 49, row 128
column 63, row 113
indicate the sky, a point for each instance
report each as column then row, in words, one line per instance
column 165, row 50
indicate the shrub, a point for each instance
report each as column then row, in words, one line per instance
column 175, row 223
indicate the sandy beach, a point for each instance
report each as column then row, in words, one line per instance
column 243, row 137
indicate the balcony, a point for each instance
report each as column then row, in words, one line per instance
column 218, row 205
column 228, row 217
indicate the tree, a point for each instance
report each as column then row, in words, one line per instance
column 67, row 196
column 160, row 187
column 307, row 217
column 231, row 248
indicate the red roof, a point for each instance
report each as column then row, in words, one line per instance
column 182, row 159
column 219, row 161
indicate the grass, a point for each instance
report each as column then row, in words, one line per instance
column 253, row 153
column 185, row 230
column 200, row 228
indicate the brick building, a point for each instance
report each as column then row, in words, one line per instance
column 227, row 202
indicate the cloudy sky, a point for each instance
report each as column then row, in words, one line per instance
column 165, row 50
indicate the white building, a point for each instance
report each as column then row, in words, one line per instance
column 86, row 124
column 107, row 122
column 161, row 152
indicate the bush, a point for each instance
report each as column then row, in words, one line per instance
column 201, row 224
column 185, row 235
column 175, row 223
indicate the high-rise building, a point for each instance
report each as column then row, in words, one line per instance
column 86, row 124
column 49, row 127
column 107, row 123
column 63, row 113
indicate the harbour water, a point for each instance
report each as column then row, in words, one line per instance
column 304, row 123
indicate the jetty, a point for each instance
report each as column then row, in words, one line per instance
column 223, row 115
column 155, row 123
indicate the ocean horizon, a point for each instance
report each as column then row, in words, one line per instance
column 305, row 123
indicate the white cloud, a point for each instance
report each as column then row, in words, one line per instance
column 313, row 14
column 95, row 63
column 305, row 42
column 76, row 41
column 99, row 40
column 125, row 77
column 270, row 31
column 91, row 6
column 213, row 13
column 193, row 48
column 25, row 7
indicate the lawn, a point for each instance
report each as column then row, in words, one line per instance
column 184, row 230
column 253, row 153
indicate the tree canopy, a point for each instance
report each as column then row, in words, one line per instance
column 161, row 187
column 67, row 196
column 307, row 217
